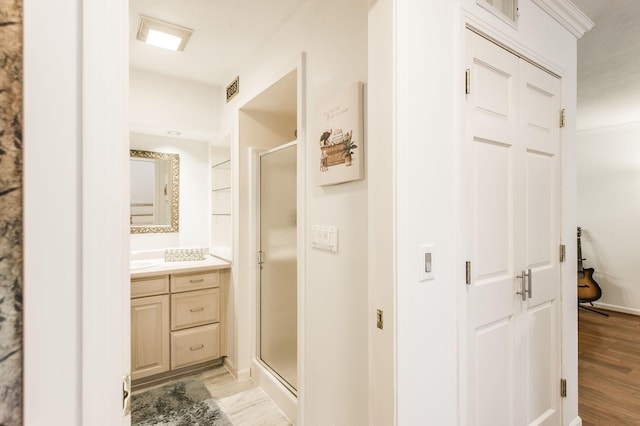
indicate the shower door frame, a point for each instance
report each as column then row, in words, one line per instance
column 257, row 322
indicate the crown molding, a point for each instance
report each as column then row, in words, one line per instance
column 567, row 14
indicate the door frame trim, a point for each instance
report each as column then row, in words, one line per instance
column 297, row 413
column 510, row 50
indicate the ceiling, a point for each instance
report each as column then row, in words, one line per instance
column 226, row 34
column 609, row 64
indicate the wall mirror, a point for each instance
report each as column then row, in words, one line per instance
column 154, row 191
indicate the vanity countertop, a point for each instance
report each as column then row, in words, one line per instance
column 159, row 266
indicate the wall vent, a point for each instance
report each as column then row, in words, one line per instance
column 233, row 88
column 504, row 9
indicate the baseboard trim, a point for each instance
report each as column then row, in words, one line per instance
column 238, row 375
column 244, row 374
column 617, row 308
column 150, row 381
column 230, row 367
column 276, row 391
column 576, row 422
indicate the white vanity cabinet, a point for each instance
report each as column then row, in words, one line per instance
column 177, row 320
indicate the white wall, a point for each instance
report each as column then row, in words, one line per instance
column 608, row 211
column 334, row 36
column 159, row 103
column 426, row 210
column 194, row 193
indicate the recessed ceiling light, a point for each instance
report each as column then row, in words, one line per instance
column 173, row 133
column 162, row 34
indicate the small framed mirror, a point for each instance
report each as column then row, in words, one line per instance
column 155, row 192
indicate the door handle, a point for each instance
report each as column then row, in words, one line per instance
column 525, row 284
column 525, row 287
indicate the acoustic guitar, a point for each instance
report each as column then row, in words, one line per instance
column 588, row 288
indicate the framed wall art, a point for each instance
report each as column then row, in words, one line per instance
column 340, row 136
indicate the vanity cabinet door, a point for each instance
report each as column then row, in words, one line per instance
column 149, row 336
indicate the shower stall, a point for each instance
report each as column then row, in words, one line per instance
column 277, row 263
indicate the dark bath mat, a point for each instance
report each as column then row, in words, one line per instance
column 183, row 403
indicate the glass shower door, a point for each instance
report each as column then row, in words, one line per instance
column 277, row 289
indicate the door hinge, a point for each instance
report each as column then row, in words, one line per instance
column 467, row 81
column 562, row 118
column 126, row 395
column 467, row 272
column 563, row 388
column 379, row 319
column 563, row 252
column 260, row 257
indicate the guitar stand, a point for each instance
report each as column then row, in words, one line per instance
column 592, row 310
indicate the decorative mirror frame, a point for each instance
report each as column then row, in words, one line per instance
column 175, row 192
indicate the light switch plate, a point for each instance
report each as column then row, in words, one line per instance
column 324, row 238
column 426, row 257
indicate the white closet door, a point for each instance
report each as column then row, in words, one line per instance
column 539, row 135
column 511, row 212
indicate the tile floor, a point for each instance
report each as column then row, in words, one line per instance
column 243, row 401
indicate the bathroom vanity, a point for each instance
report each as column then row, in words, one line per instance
column 178, row 316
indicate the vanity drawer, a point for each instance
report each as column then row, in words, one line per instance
column 149, row 286
column 195, row 345
column 195, row 308
column 186, row 282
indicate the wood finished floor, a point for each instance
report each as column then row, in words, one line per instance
column 608, row 369
column 243, row 401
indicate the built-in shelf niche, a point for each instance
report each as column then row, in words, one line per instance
column 221, row 211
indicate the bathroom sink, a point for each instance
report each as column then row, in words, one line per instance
column 144, row 263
